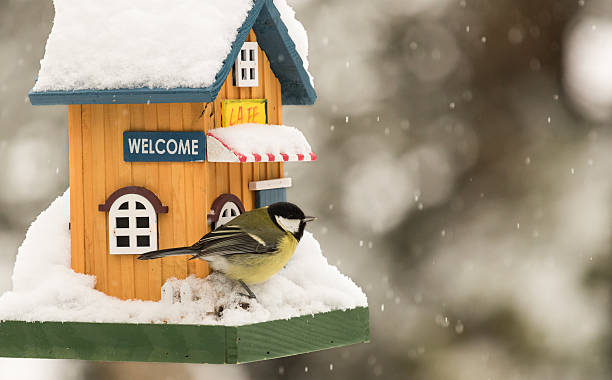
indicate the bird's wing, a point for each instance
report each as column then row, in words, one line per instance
column 231, row 240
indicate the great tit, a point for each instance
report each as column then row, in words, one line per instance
column 251, row 247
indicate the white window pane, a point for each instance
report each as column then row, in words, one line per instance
column 122, row 222
column 143, row 241
column 123, row 241
column 142, row 222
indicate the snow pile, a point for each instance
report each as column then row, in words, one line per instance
column 262, row 139
column 154, row 43
column 46, row 289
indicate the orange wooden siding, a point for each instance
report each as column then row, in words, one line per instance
column 188, row 189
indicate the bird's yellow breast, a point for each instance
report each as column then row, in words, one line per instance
column 256, row 268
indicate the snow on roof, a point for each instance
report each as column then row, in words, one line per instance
column 116, row 44
column 297, row 32
column 257, row 143
column 46, row 289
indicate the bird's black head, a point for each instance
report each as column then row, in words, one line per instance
column 289, row 217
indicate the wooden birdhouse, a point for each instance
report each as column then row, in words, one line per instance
column 157, row 159
column 175, row 127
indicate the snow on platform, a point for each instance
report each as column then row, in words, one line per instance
column 46, row 289
column 116, row 44
column 257, row 143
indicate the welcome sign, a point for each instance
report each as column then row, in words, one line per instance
column 164, row 146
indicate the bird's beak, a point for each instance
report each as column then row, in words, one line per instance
column 309, row 218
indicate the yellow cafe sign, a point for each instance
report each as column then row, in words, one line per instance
column 243, row 111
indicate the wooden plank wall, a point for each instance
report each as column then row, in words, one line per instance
column 188, row 189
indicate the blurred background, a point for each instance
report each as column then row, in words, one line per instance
column 464, row 181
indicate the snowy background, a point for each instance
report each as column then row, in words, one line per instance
column 465, row 152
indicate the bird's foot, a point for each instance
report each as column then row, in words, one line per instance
column 251, row 295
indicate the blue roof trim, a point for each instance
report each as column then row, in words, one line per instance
column 272, row 36
column 124, row 96
column 285, row 61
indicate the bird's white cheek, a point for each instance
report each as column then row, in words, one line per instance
column 290, row 225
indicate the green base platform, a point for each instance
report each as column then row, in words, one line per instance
column 184, row 343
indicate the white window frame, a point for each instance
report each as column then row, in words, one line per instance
column 132, row 231
column 248, row 62
column 227, row 208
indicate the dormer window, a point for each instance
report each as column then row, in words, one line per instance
column 246, row 67
column 132, row 220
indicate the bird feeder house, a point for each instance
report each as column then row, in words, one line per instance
column 175, row 127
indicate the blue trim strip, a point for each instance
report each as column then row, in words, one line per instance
column 285, row 61
column 267, row 197
column 124, row 96
column 272, row 36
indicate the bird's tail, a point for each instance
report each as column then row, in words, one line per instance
column 167, row 252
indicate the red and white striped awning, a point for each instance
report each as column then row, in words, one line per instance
column 257, row 143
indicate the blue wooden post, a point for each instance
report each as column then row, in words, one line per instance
column 267, row 197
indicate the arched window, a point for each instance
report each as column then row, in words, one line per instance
column 229, row 211
column 225, row 208
column 132, row 220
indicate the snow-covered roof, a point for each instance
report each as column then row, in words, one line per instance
column 257, row 143
column 140, row 51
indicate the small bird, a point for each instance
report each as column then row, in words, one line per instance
column 251, row 247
